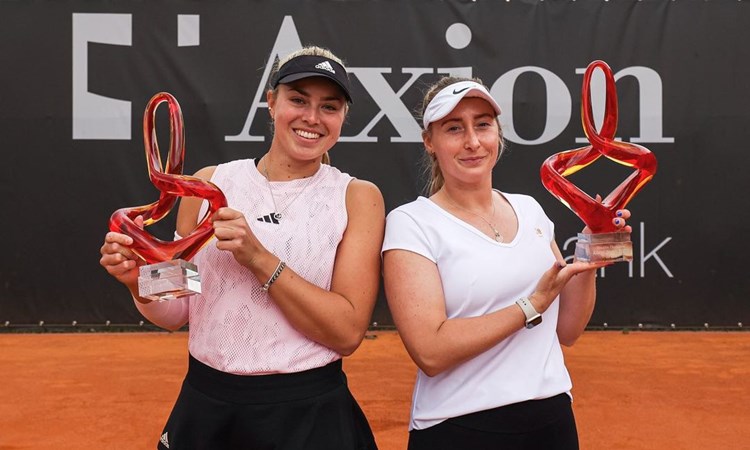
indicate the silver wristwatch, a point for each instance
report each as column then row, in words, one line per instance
column 533, row 318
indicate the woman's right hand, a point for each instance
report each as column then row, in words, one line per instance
column 118, row 259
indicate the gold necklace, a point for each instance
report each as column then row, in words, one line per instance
column 276, row 213
column 498, row 236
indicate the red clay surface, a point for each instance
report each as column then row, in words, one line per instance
column 643, row 390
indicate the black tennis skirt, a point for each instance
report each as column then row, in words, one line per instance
column 313, row 409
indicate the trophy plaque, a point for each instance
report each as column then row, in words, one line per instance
column 167, row 274
column 605, row 242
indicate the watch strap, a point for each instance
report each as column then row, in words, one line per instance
column 533, row 317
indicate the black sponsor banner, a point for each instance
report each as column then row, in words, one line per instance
column 75, row 78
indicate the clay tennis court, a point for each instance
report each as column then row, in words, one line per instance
column 642, row 390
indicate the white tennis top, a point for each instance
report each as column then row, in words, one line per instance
column 480, row 276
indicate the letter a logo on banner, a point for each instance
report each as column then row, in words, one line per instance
column 287, row 41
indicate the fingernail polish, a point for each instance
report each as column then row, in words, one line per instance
column 617, row 221
column 619, row 213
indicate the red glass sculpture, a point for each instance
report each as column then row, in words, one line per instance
column 598, row 215
column 172, row 184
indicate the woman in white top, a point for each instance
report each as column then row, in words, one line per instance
column 288, row 287
column 480, row 293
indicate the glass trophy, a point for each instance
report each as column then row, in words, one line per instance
column 167, row 274
column 605, row 242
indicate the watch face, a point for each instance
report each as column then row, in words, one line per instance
column 534, row 321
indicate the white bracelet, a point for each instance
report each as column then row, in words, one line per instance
column 275, row 275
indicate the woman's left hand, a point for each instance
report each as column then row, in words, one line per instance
column 234, row 235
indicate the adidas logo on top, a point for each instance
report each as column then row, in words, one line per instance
column 325, row 65
column 270, row 218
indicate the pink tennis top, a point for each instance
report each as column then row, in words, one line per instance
column 235, row 327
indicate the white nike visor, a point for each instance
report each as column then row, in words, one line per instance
column 446, row 100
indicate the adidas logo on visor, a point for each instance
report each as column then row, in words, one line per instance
column 325, row 65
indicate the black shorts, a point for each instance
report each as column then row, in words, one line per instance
column 306, row 410
column 532, row 425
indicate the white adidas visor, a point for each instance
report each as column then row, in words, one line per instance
column 446, row 100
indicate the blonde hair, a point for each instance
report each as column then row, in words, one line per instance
column 429, row 161
column 310, row 50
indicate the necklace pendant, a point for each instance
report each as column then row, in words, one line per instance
column 277, row 216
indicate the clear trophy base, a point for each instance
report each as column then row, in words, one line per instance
column 168, row 280
column 604, row 247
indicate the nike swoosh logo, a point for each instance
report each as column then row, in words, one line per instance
column 456, row 92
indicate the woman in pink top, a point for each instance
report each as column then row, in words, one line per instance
column 288, row 286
